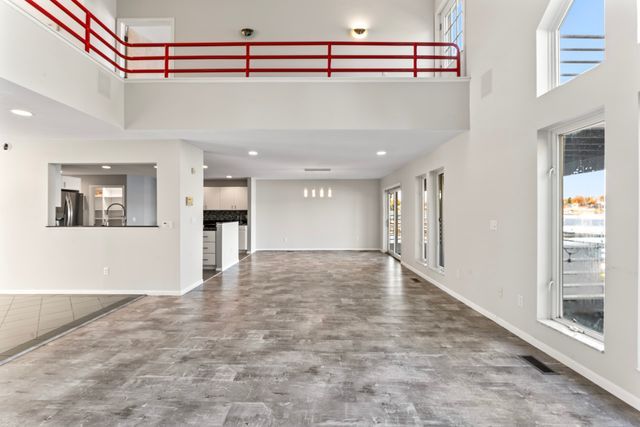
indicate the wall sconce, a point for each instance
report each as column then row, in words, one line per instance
column 247, row 32
column 359, row 33
column 306, row 193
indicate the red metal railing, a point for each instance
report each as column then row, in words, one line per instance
column 118, row 58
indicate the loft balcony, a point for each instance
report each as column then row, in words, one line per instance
column 204, row 85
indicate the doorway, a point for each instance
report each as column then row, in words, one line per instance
column 394, row 222
column 144, row 30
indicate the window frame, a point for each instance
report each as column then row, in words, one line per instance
column 556, row 174
column 444, row 11
column 440, row 235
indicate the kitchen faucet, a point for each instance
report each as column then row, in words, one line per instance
column 124, row 213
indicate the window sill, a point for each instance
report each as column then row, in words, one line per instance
column 584, row 339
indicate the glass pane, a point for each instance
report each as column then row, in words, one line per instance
column 392, row 221
column 581, row 38
column 399, row 222
column 425, row 219
column 441, row 220
column 583, row 227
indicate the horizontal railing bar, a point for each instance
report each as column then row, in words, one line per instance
column 293, row 43
column 582, row 49
column 580, row 62
column 276, row 57
column 582, row 36
column 292, row 70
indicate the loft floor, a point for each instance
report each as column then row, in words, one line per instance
column 298, row 338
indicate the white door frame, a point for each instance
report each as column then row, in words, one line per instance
column 123, row 23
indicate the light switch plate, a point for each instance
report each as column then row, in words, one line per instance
column 493, row 225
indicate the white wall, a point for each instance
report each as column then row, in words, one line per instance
column 492, row 173
column 35, row 258
column 191, row 217
column 276, row 103
column 219, row 20
column 286, row 220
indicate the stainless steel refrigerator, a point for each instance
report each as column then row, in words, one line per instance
column 69, row 214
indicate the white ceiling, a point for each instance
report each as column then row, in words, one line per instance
column 138, row 169
column 283, row 154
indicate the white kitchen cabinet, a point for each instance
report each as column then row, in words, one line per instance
column 71, row 183
column 242, row 238
column 233, row 198
column 209, row 250
column 212, row 198
column 242, row 202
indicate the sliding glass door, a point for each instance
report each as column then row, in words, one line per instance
column 394, row 222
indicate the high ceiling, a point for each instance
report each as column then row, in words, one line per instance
column 283, row 154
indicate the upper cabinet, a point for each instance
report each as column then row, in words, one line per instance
column 225, row 198
column 71, row 183
column 212, row 198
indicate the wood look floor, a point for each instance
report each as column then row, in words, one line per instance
column 299, row 338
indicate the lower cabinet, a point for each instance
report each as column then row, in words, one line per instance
column 242, row 238
column 209, row 250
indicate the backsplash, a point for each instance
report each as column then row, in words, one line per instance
column 225, row 216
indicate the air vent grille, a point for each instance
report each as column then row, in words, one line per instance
column 317, row 169
column 540, row 366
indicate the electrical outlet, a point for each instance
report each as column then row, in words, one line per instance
column 520, row 301
column 284, row 239
column 493, row 225
column 501, row 292
column 106, row 271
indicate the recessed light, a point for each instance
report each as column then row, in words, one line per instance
column 229, row 177
column 106, row 167
column 381, row 153
column 22, row 113
column 253, row 153
column 205, row 167
column 155, row 166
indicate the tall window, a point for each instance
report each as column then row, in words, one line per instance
column 452, row 27
column 423, row 198
column 580, row 229
column 440, row 219
column 580, row 38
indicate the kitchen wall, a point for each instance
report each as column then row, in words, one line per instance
column 142, row 199
column 348, row 220
column 35, row 258
column 493, row 173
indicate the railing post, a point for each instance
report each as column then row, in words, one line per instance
column 329, row 60
column 247, row 59
column 458, row 66
column 87, row 32
column 166, row 61
column 415, row 60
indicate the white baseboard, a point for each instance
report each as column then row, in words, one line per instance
column 316, row 249
column 192, row 287
column 609, row 386
column 94, row 292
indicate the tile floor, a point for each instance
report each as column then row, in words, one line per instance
column 24, row 318
column 295, row 339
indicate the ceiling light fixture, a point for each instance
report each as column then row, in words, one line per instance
column 155, row 166
column 106, row 167
column 253, row 153
column 229, row 177
column 381, row 153
column 359, row 33
column 247, row 32
column 205, row 167
column 21, row 113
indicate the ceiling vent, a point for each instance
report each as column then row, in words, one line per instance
column 317, row 170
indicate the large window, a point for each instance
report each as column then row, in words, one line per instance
column 580, row 39
column 440, row 218
column 452, row 27
column 579, row 249
column 423, row 193
column 394, row 222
